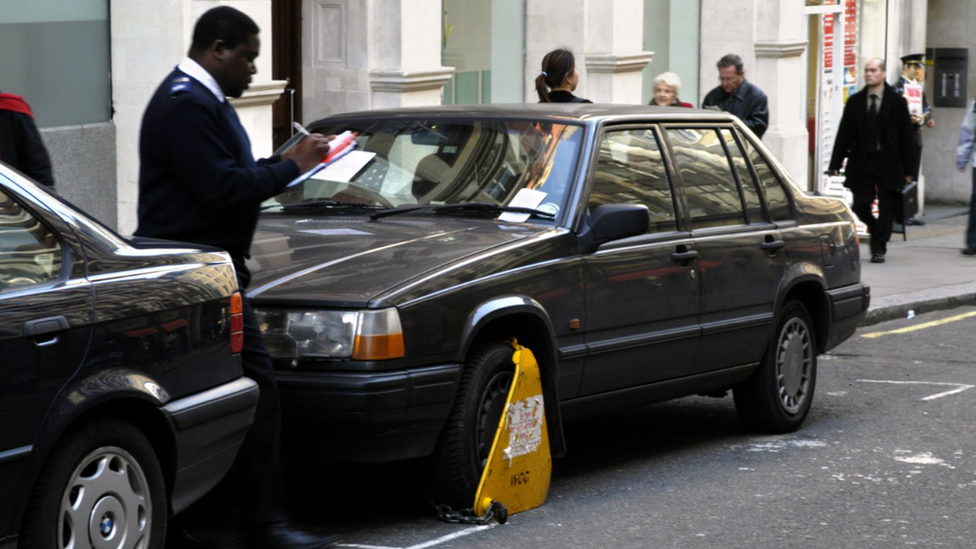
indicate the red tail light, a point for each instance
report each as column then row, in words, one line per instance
column 236, row 323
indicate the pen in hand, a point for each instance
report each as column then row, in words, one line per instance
column 301, row 129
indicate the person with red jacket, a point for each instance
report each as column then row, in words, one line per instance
column 20, row 142
column 666, row 88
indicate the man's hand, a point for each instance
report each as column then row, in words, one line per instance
column 309, row 151
column 908, row 179
column 930, row 123
column 833, row 173
column 962, row 169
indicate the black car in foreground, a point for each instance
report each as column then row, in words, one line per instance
column 641, row 253
column 121, row 394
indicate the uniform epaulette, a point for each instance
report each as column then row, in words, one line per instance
column 179, row 84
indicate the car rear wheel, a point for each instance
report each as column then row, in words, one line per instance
column 777, row 397
column 101, row 487
column 464, row 445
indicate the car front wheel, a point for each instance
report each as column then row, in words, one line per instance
column 777, row 397
column 101, row 487
column 464, row 445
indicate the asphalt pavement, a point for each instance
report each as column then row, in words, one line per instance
column 924, row 270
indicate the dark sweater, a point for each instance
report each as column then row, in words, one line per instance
column 20, row 142
column 560, row 96
column 198, row 181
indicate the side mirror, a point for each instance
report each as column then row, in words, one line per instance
column 613, row 222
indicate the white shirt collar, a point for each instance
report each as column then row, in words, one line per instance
column 201, row 75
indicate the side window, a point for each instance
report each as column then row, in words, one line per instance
column 754, row 210
column 630, row 171
column 29, row 251
column 777, row 202
column 709, row 185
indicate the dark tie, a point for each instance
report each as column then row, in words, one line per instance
column 872, row 125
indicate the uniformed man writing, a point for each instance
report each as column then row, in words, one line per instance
column 198, row 182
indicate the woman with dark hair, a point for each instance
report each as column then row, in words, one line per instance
column 558, row 79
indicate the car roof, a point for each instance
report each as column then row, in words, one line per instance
column 582, row 112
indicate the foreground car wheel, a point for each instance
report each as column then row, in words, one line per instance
column 102, row 487
column 465, row 443
column 777, row 397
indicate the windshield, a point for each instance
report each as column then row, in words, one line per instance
column 402, row 163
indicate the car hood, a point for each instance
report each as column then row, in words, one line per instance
column 348, row 261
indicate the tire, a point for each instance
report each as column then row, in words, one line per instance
column 102, row 483
column 462, row 450
column 777, row 397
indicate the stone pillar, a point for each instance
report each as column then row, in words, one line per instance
column 606, row 37
column 405, row 52
column 149, row 38
column 614, row 51
column 779, row 67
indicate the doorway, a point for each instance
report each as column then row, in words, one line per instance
column 286, row 64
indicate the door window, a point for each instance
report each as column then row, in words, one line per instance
column 777, row 202
column 630, row 170
column 754, row 210
column 29, row 251
column 706, row 174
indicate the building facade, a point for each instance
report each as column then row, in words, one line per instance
column 88, row 67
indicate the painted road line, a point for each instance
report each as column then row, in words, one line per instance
column 959, row 387
column 922, row 326
column 426, row 544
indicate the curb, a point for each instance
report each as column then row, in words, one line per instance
column 893, row 307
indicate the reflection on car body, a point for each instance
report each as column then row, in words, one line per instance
column 121, row 394
column 677, row 258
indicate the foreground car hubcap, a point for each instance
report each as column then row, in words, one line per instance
column 106, row 503
column 793, row 363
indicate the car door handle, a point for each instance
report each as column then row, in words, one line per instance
column 772, row 245
column 681, row 257
column 45, row 326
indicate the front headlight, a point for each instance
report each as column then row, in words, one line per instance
column 359, row 335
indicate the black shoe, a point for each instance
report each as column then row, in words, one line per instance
column 285, row 535
column 181, row 538
column 913, row 221
column 969, row 250
column 878, row 257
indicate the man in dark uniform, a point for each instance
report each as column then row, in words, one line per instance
column 737, row 96
column 913, row 75
column 198, row 182
column 877, row 138
column 20, row 142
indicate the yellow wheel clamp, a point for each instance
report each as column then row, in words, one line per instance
column 519, row 466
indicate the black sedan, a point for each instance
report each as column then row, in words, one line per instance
column 642, row 254
column 121, row 394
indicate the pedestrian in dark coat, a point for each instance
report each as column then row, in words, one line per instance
column 738, row 96
column 198, row 182
column 20, row 142
column 879, row 149
column 558, row 79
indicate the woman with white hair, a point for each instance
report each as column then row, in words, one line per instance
column 666, row 88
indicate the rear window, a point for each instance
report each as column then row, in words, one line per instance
column 709, row 185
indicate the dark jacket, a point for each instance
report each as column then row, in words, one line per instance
column 747, row 102
column 560, row 96
column 896, row 137
column 20, row 142
column 198, row 181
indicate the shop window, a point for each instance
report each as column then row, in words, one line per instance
column 56, row 55
column 484, row 42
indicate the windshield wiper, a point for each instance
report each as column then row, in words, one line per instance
column 468, row 207
column 319, row 205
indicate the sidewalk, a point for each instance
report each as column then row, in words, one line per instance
column 925, row 273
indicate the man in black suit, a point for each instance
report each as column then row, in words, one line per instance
column 199, row 182
column 877, row 138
